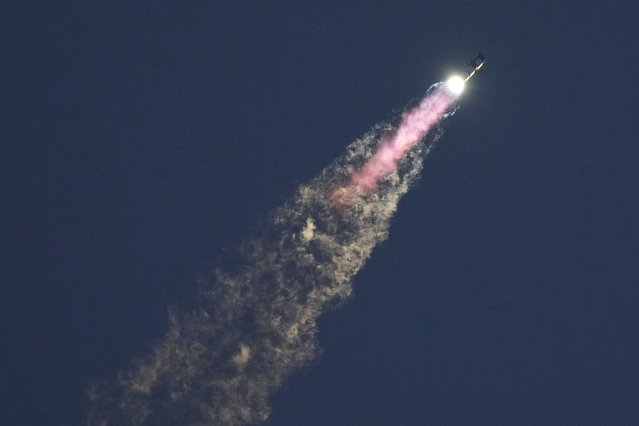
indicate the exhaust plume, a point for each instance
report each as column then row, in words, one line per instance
column 415, row 124
column 255, row 321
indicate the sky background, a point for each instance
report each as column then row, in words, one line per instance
column 140, row 140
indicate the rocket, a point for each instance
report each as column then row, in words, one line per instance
column 477, row 62
column 455, row 84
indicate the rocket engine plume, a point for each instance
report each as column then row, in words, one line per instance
column 255, row 321
column 415, row 124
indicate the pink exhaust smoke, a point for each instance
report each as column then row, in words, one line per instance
column 415, row 124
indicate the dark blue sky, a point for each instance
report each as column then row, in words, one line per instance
column 141, row 139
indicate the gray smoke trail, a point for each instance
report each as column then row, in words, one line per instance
column 256, row 323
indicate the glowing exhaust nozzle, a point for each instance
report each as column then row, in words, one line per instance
column 456, row 84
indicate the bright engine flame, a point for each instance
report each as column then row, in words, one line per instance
column 455, row 84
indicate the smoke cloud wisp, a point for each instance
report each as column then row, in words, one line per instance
column 255, row 320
